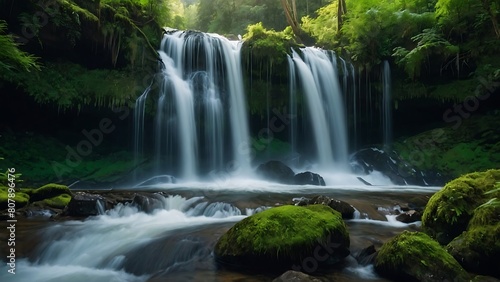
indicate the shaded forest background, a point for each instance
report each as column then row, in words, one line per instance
column 64, row 64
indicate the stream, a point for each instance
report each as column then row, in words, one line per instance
column 172, row 236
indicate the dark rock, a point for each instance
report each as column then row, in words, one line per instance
column 344, row 208
column 148, row 203
column 296, row 276
column 276, row 171
column 366, row 256
column 302, row 201
column 409, row 216
column 309, row 178
column 84, row 204
column 393, row 166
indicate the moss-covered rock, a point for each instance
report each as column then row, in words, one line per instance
column 448, row 212
column 478, row 249
column 58, row 202
column 414, row 256
column 21, row 199
column 283, row 236
column 49, row 191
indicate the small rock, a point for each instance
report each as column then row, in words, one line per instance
column 409, row 216
column 84, row 204
column 344, row 208
column 309, row 178
column 296, row 276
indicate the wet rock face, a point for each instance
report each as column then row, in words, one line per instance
column 391, row 165
column 276, row 171
column 84, row 204
column 308, row 178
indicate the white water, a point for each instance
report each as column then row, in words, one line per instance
column 97, row 249
column 387, row 104
column 319, row 79
column 201, row 76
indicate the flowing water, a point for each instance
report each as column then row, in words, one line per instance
column 173, row 236
column 200, row 127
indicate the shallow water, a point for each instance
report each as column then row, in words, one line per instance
column 175, row 242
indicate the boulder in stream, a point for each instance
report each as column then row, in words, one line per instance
column 308, row 178
column 414, row 256
column 284, row 237
column 84, row 204
column 276, row 171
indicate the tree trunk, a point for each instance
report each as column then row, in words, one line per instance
column 342, row 10
column 494, row 20
column 291, row 16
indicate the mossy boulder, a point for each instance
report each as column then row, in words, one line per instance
column 414, row 256
column 448, row 211
column 281, row 237
column 21, row 199
column 478, row 250
column 58, row 202
column 49, row 191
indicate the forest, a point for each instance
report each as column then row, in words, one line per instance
column 188, row 140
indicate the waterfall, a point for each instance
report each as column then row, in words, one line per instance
column 386, row 104
column 200, row 98
column 318, row 76
column 293, row 109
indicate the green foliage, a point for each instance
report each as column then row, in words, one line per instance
column 414, row 256
column 473, row 147
column 21, row 199
column 429, row 42
column 324, row 27
column 268, row 45
column 231, row 17
column 69, row 85
column 286, row 232
column 11, row 57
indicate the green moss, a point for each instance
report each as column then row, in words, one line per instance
column 448, row 212
column 49, row 191
column 485, row 215
column 414, row 256
column 283, row 233
column 59, row 201
column 473, row 146
column 21, row 199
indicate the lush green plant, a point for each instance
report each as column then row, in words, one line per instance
column 11, row 57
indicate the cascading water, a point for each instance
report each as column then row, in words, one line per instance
column 386, row 104
column 318, row 77
column 201, row 78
